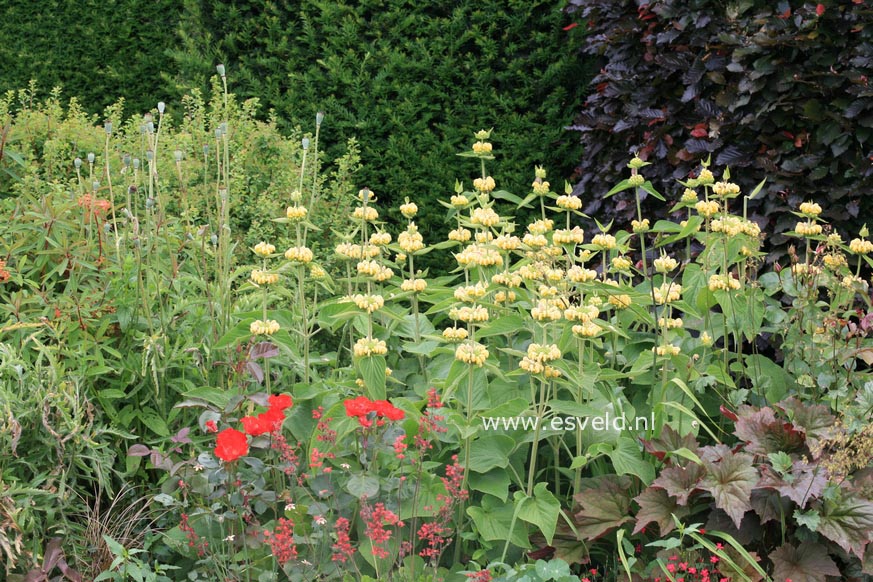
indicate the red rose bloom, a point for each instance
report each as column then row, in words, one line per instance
column 211, row 426
column 387, row 410
column 280, row 401
column 230, row 445
column 272, row 419
column 360, row 406
column 254, row 425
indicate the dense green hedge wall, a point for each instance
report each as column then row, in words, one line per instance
column 412, row 80
column 97, row 50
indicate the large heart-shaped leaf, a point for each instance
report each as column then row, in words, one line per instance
column 604, row 505
column 808, row 562
column 730, row 479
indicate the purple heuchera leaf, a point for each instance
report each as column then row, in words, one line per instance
column 802, row 484
column 138, row 451
column 656, row 505
column 680, row 482
column 765, row 434
column 730, row 478
column 848, row 522
column 604, row 505
column 181, row 437
column 808, row 562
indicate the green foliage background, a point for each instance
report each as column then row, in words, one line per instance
column 97, row 50
column 410, row 80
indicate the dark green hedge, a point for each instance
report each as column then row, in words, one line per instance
column 412, row 80
column 97, row 50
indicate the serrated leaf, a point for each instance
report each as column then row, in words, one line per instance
column 605, row 505
column 802, row 483
column 669, row 441
column 680, row 481
column 808, row 562
column 848, row 522
column 729, row 478
column 658, row 506
column 765, row 434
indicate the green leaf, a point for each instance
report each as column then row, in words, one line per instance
column 541, row 510
column 363, row 486
column 627, row 459
column 493, row 520
column 495, row 482
column 372, row 371
column 153, row 421
column 553, row 569
column 490, row 453
column 508, row 324
column 238, row 333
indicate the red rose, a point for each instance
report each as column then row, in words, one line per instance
column 230, row 445
column 254, row 425
column 360, row 406
column 387, row 410
column 819, row 9
column 211, row 426
column 280, row 401
column 272, row 419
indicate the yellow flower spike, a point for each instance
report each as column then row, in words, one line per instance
column 368, row 303
column 587, row 329
column 724, row 189
column 485, row 217
column 366, row 213
column 266, row 327
column 706, row 339
column 460, row 234
column 454, row 334
column 860, row 246
column 566, row 202
column 577, row 274
column 484, row 185
column 640, row 226
column 670, row 323
column 299, row 255
column 317, row 272
column 459, row 201
column 621, row 263
column 567, row 236
column 636, row 180
column 726, row 282
column 506, row 242
column 665, row 264
column 543, row 353
column 380, row 239
column 413, row 285
column 604, row 242
column 296, row 212
column 667, row 293
column 667, row 350
column 707, row 209
column 472, row 353
column 409, row 210
column 263, row 249
column 368, row 346
column 810, row 209
column 482, row 147
column 366, row 195
column 541, row 187
column 808, row 228
column 705, row 178
column 410, row 240
column 264, row 278
column 689, row 196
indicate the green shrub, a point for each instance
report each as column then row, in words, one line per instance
column 411, row 81
column 95, row 50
